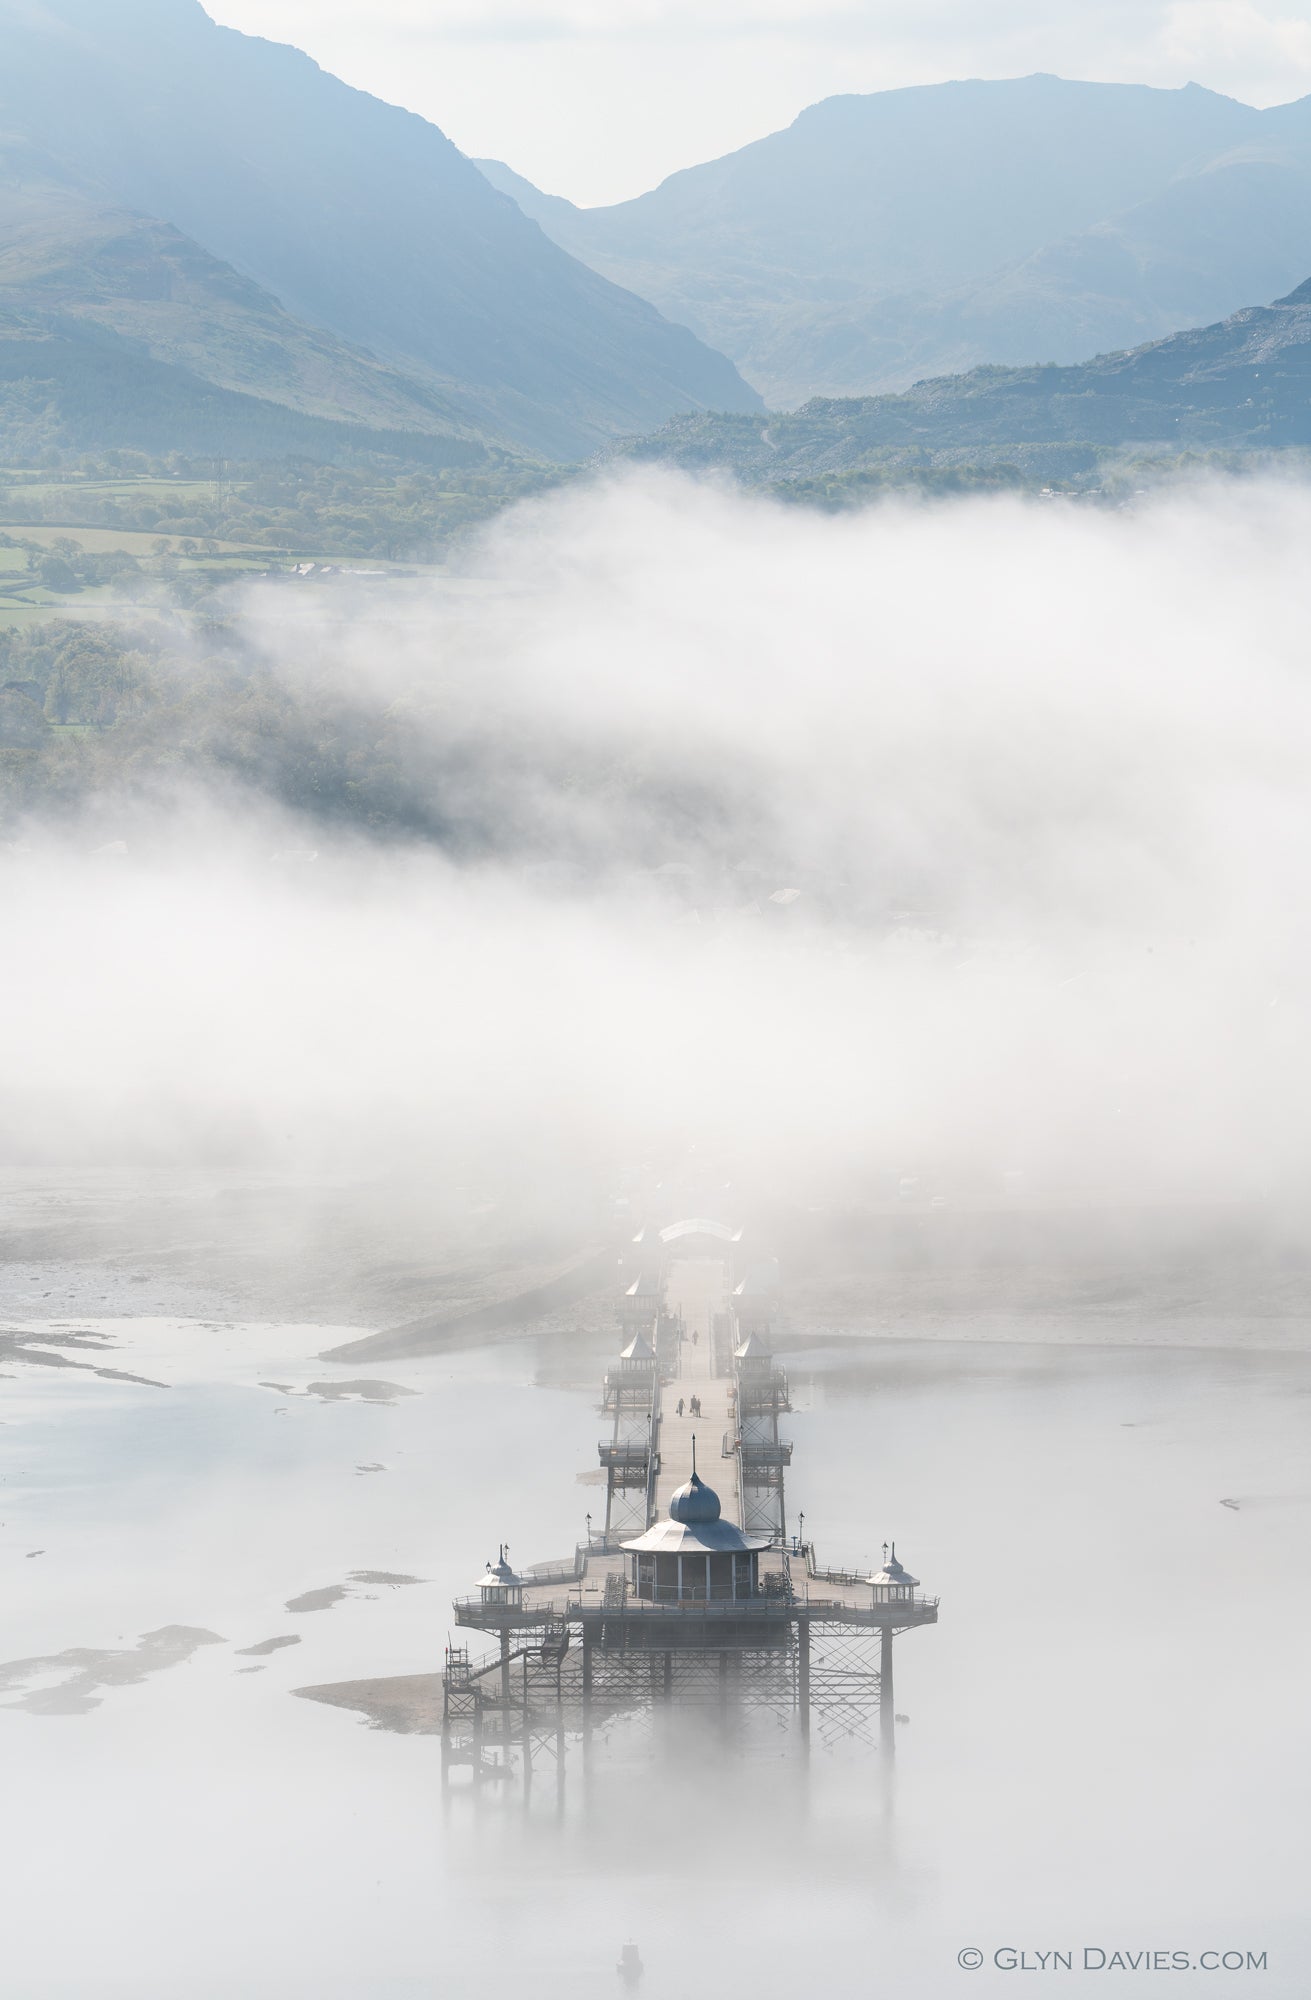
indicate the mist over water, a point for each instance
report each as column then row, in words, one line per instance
column 953, row 848
column 1104, row 1739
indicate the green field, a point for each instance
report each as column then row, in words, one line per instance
column 104, row 541
column 372, row 510
column 151, row 565
column 78, row 545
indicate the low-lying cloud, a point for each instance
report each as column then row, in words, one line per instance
column 961, row 840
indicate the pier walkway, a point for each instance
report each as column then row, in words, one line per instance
column 698, row 1289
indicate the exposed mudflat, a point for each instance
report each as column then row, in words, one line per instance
column 209, row 1245
column 587, row 1280
column 406, row 1704
column 329, row 1594
column 420, row 1275
column 74, row 1681
column 367, row 1391
column 57, row 1347
column 322, row 1599
column 1050, row 1272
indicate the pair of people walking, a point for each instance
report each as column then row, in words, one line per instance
column 693, row 1408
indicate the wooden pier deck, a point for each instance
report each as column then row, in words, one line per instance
column 698, row 1288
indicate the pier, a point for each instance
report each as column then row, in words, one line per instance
column 693, row 1597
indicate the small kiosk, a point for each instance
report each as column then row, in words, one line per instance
column 499, row 1587
column 892, row 1584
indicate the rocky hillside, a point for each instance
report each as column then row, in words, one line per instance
column 419, row 294
column 1241, row 384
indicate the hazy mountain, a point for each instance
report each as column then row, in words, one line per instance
column 69, row 384
column 883, row 238
column 348, row 215
column 67, row 259
column 548, row 209
column 1243, row 383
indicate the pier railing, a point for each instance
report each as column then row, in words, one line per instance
column 763, row 1392
column 771, row 1453
column 561, row 1572
column 849, row 1579
column 598, row 1603
column 694, row 1607
column 608, row 1541
column 765, row 1451
column 625, row 1454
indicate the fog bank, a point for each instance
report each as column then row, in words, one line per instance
column 964, row 841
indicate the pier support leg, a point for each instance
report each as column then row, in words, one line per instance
column 587, row 1690
column 446, row 1734
column 803, row 1683
column 527, row 1736
column 887, row 1702
column 669, row 1676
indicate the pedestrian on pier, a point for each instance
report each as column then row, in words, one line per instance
column 680, row 1406
column 696, row 1335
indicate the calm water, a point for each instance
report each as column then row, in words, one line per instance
column 1107, row 1738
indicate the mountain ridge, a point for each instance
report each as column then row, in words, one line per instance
column 63, row 255
column 1239, row 384
column 360, row 219
column 884, row 238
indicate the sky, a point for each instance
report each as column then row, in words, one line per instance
column 601, row 99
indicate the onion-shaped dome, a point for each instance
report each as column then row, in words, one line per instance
column 892, row 1576
column 695, row 1504
column 499, row 1576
